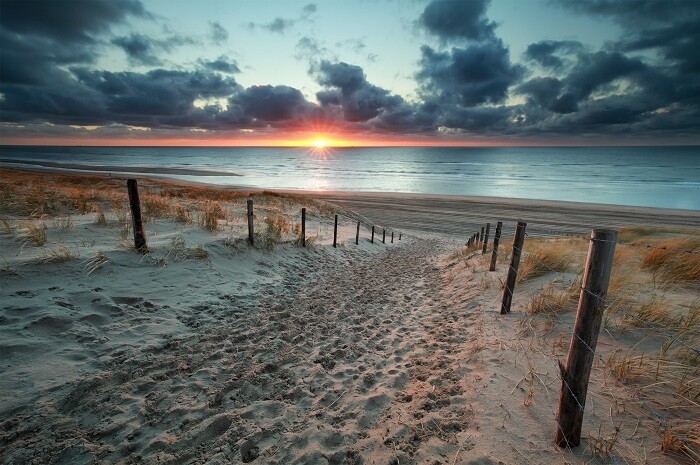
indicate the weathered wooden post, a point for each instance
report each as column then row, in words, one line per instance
column 357, row 234
column 335, row 232
column 496, row 239
column 372, row 240
column 136, row 220
column 513, row 270
column 303, row 227
column 250, row 222
column 469, row 242
column 591, row 306
column 481, row 236
column 392, row 237
column 383, row 236
column 486, row 238
column 399, row 236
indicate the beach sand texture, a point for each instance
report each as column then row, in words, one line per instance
column 208, row 350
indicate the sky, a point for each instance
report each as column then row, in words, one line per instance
column 370, row 72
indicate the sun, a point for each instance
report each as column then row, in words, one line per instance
column 320, row 143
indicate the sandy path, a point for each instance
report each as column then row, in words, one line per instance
column 350, row 360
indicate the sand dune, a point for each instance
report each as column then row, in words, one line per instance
column 208, row 350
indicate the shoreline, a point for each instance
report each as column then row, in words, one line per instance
column 153, row 175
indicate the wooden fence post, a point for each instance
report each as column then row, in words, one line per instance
column 513, row 270
column 303, row 227
column 250, row 222
column 486, row 238
column 591, row 306
column 383, row 236
column 399, row 236
column 372, row 240
column 496, row 239
column 136, row 220
column 481, row 237
column 335, row 232
column 392, row 237
column 357, row 234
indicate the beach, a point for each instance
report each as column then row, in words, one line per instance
column 210, row 350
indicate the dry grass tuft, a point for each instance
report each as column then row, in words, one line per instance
column 100, row 218
column 682, row 437
column 32, row 233
column 63, row 224
column 95, row 263
column 544, row 256
column 276, row 226
column 210, row 215
column 154, row 206
column 182, row 215
column 552, row 301
column 672, row 264
column 60, row 255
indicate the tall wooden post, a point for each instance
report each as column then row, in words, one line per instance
column 335, row 232
column 372, row 240
column 250, row 222
column 303, row 227
column 357, row 234
column 399, row 236
column 136, row 220
column 486, row 238
column 496, row 239
column 481, row 237
column 513, row 270
column 392, row 237
column 383, row 236
column 591, row 306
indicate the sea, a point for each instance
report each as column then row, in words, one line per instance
column 666, row 177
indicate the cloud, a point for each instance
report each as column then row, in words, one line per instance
column 281, row 25
column 545, row 53
column 668, row 26
column 349, row 90
column 271, row 103
column 458, row 19
column 76, row 21
column 138, row 49
column 309, row 9
column 217, row 33
column 222, row 64
column 142, row 50
column 477, row 74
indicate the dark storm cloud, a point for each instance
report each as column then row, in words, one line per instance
column 458, row 19
column 478, row 74
column 359, row 100
column 545, row 53
column 217, row 33
column 144, row 50
column 222, row 64
column 667, row 25
column 73, row 21
column 271, row 103
column 138, row 49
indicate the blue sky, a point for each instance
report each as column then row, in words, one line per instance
column 471, row 71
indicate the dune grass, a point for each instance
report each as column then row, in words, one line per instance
column 59, row 255
column 542, row 256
